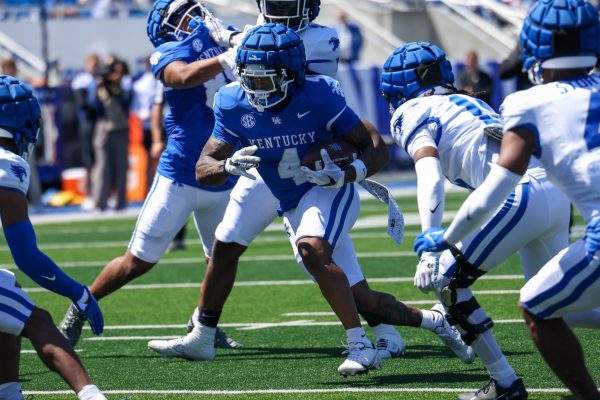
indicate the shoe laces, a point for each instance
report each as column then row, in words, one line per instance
column 486, row 389
column 74, row 319
column 383, row 344
column 354, row 350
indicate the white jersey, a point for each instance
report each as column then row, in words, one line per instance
column 454, row 124
column 322, row 47
column 565, row 118
column 14, row 172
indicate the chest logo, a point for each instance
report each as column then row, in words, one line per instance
column 197, row 45
column 277, row 121
column 248, row 121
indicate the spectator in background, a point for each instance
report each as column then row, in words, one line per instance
column 9, row 67
column 350, row 38
column 111, row 136
column 84, row 92
column 144, row 92
column 473, row 79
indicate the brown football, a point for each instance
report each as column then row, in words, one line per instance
column 340, row 151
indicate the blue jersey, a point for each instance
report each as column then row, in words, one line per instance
column 317, row 112
column 191, row 120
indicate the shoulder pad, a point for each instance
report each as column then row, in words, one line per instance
column 14, row 172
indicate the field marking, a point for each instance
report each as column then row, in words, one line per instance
column 31, row 351
column 292, row 391
column 249, row 326
column 295, row 282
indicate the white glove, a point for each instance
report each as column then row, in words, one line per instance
column 227, row 59
column 331, row 176
column 219, row 32
column 427, row 267
column 241, row 161
column 236, row 39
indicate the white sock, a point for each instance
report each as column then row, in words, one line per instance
column 488, row 351
column 431, row 320
column 357, row 335
column 11, row 391
column 203, row 330
column 90, row 392
column 383, row 329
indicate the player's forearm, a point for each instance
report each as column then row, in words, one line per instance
column 184, row 76
column 210, row 171
column 375, row 154
column 478, row 207
column 430, row 192
column 36, row 265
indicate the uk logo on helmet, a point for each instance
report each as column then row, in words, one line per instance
column 248, row 121
column 154, row 58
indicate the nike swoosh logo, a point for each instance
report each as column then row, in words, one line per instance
column 302, row 115
column 436, row 207
column 50, row 278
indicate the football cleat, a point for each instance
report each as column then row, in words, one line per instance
column 198, row 345
column 72, row 324
column 390, row 345
column 493, row 391
column 222, row 341
column 362, row 357
column 450, row 336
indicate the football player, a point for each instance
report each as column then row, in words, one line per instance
column 20, row 121
column 557, row 122
column 319, row 207
column 192, row 67
column 455, row 135
column 252, row 206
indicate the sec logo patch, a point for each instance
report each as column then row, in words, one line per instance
column 248, row 121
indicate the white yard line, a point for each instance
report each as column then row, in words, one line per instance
column 295, row 282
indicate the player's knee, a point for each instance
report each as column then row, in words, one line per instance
column 132, row 266
column 39, row 319
column 226, row 253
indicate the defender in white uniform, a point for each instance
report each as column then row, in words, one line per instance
column 20, row 120
column 558, row 123
column 457, row 136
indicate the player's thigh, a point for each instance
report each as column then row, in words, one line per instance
column 525, row 217
column 208, row 212
column 15, row 305
column 251, row 208
column 568, row 283
column 167, row 207
column 326, row 213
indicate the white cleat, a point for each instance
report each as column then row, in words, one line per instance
column 362, row 357
column 198, row 345
column 390, row 345
column 450, row 336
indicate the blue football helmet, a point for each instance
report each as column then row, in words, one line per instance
column 295, row 14
column 412, row 70
column 564, row 31
column 269, row 60
column 20, row 114
column 174, row 20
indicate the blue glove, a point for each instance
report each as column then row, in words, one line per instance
column 592, row 237
column 89, row 306
column 431, row 240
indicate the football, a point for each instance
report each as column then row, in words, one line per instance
column 341, row 152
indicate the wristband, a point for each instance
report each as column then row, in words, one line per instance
column 360, row 168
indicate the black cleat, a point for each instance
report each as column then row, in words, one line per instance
column 493, row 391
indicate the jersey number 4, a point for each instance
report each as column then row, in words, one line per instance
column 289, row 166
column 592, row 124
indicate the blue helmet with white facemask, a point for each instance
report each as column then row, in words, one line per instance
column 412, row 70
column 174, row 20
column 559, row 34
column 270, row 60
column 20, row 114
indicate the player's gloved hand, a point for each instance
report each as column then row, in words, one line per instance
column 237, row 37
column 227, row 59
column 241, row 161
column 431, row 239
column 89, row 306
column 331, row 176
column 220, row 33
column 427, row 267
column 592, row 237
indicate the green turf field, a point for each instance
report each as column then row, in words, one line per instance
column 292, row 342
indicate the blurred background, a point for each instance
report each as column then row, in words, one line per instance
column 64, row 47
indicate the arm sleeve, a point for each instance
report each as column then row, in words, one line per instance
column 481, row 203
column 220, row 131
column 430, row 192
column 36, row 265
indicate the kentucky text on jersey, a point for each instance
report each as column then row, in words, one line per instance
column 284, row 140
